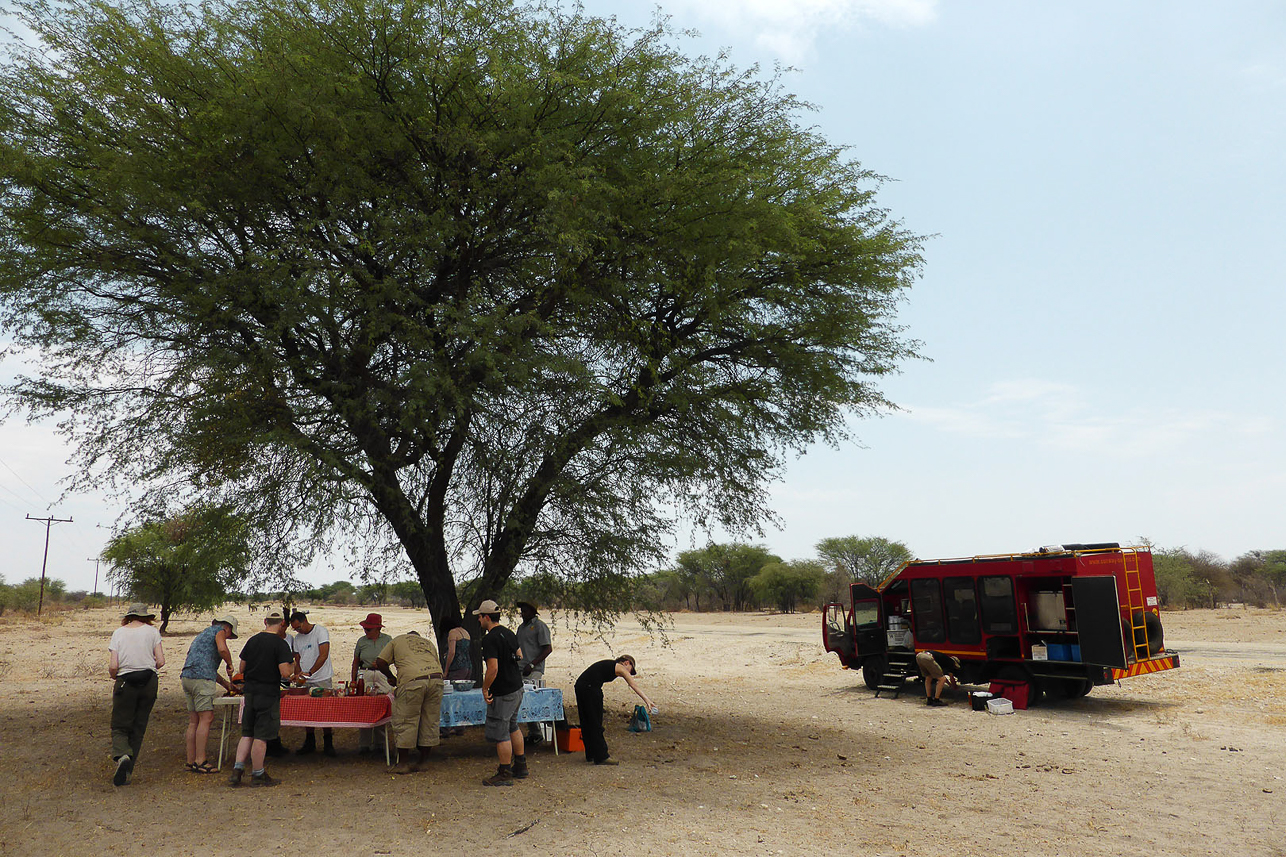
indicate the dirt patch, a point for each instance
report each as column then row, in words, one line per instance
column 763, row 746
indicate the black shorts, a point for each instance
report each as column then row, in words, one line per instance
column 261, row 715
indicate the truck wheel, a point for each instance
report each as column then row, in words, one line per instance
column 873, row 671
column 1067, row 688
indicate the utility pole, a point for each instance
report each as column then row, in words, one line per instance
column 48, row 522
column 95, row 560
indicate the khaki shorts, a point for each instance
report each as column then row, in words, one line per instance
column 199, row 693
column 928, row 666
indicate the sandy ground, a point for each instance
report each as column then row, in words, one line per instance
column 763, row 746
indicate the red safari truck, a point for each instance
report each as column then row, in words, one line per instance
column 1062, row 620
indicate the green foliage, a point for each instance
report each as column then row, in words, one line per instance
column 854, row 559
column 187, row 562
column 25, row 596
column 524, row 284
column 724, row 571
column 788, row 584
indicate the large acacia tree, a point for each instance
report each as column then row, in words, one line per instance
column 509, row 287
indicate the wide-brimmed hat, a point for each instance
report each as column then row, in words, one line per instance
column 139, row 610
column 487, row 607
column 522, row 604
column 372, row 620
column 231, row 622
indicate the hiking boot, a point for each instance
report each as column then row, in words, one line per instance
column 124, row 767
column 520, row 769
column 606, row 762
column 263, row 780
column 234, row 779
column 504, row 776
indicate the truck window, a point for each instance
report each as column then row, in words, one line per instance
column 926, row 611
column 997, row 602
column 866, row 613
column 962, row 610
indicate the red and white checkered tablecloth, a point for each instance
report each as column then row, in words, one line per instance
column 342, row 712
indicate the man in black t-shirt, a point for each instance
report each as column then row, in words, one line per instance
column 938, row 670
column 265, row 661
column 502, row 689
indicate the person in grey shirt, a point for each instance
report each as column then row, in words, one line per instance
column 536, row 643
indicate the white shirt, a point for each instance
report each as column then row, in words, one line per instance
column 134, row 647
column 308, row 647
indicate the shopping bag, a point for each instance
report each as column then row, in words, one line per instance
column 640, row 721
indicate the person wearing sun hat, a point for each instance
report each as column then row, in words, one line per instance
column 368, row 648
column 200, row 679
column 135, row 656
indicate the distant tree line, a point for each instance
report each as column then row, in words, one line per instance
column 1187, row 578
column 24, row 597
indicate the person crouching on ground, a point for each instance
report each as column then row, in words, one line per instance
column 417, row 703
column 589, row 702
column 200, row 678
column 266, row 659
column 136, row 655
column 502, row 689
column 938, row 670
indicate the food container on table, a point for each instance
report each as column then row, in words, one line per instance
column 447, row 687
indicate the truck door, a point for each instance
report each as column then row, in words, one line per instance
column 868, row 621
column 837, row 632
column 1098, row 620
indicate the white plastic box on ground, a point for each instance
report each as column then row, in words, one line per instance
column 1000, row 706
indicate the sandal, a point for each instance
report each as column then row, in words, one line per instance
column 203, row 768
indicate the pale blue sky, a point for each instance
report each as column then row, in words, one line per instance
column 1101, row 300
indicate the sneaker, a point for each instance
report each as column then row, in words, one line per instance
column 234, row 779
column 309, row 748
column 263, row 780
column 402, row 768
column 606, row 762
column 124, row 767
column 329, row 750
column 503, row 776
column 535, row 739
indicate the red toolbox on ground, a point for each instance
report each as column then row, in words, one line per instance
column 1014, row 691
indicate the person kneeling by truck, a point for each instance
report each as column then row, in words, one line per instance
column 938, row 670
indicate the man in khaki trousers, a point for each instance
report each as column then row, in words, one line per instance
column 417, row 702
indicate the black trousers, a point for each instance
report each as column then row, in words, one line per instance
column 133, row 696
column 589, row 702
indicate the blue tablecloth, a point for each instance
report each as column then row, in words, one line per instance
column 467, row 708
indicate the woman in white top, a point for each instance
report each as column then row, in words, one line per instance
column 135, row 657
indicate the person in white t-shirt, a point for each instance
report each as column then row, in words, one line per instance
column 136, row 655
column 313, row 666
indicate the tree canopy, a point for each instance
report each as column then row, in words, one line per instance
column 187, row 562
column 863, row 560
column 497, row 286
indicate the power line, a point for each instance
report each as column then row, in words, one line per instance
column 48, row 522
column 23, row 481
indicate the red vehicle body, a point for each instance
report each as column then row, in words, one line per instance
column 1062, row 620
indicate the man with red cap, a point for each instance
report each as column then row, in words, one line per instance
column 369, row 646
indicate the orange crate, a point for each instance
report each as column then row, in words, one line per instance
column 569, row 741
